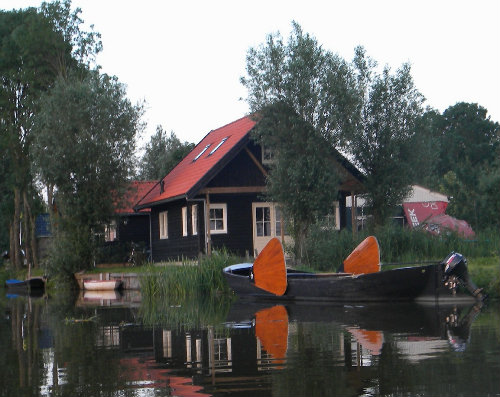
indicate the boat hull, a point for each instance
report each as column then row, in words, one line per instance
column 35, row 283
column 422, row 283
column 102, row 285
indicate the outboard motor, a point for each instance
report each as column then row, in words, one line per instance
column 455, row 272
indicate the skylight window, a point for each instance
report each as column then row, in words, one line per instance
column 218, row 146
column 203, row 151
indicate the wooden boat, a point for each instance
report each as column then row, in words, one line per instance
column 33, row 283
column 268, row 278
column 102, row 285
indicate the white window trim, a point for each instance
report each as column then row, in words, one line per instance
column 184, row 221
column 222, row 206
column 163, row 222
column 110, row 232
column 194, row 220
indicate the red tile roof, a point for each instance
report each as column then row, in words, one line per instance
column 135, row 192
column 196, row 168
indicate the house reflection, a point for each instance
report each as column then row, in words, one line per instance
column 107, row 345
column 247, row 351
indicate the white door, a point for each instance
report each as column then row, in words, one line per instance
column 266, row 224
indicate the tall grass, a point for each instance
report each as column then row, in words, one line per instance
column 326, row 249
column 193, row 293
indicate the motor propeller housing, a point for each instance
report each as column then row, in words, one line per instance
column 456, row 272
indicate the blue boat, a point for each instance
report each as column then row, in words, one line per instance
column 34, row 283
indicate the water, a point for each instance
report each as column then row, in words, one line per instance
column 101, row 346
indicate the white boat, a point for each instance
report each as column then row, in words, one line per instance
column 102, row 285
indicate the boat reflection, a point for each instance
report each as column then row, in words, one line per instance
column 107, row 298
column 417, row 331
column 259, row 350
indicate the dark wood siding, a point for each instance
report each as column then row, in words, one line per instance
column 241, row 171
column 134, row 228
column 239, row 238
column 176, row 246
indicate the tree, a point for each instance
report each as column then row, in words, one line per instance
column 369, row 116
column 35, row 47
column 317, row 84
column 384, row 143
column 162, row 154
column 468, row 163
column 302, row 179
column 85, row 142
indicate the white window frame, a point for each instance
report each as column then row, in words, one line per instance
column 194, row 219
column 222, row 206
column 267, row 155
column 163, row 222
column 184, row 221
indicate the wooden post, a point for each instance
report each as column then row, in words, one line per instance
column 207, row 226
column 354, row 204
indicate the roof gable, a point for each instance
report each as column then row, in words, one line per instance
column 200, row 164
column 135, row 191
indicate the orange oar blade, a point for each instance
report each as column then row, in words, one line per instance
column 269, row 268
column 365, row 258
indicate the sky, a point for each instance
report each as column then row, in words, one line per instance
column 185, row 58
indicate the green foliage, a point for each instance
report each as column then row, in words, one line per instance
column 178, row 282
column 302, row 178
column 36, row 46
column 384, row 143
column 469, row 165
column 485, row 271
column 162, row 154
column 187, row 294
column 317, row 84
column 370, row 116
column 328, row 248
column 84, row 147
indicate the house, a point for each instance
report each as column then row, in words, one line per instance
column 130, row 226
column 214, row 197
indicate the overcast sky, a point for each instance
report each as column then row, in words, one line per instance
column 185, row 58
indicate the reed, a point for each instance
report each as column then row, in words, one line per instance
column 328, row 248
column 180, row 281
column 186, row 293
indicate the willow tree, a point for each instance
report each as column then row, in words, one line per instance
column 85, row 144
column 302, row 179
column 304, row 96
column 384, row 143
column 36, row 46
column 370, row 116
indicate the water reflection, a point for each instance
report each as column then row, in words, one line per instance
column 91, row 345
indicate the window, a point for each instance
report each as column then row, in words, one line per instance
column 218, row 146
column 163, row 220
column 267, row 156
column 194, row 219
column 110, row 232
column 263, row 221
column 218, row 218
column 184, row 221
column 203, row 151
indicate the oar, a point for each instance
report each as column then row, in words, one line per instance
column 269, row 268
column 365, row 258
